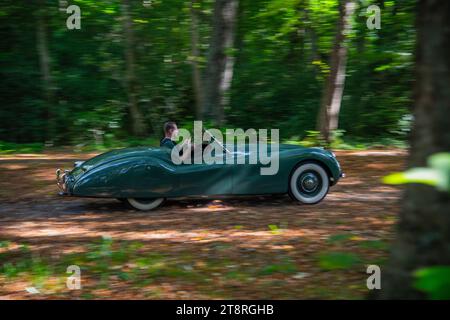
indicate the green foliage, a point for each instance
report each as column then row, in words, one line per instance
column 338, row 260
column 286, row 266
column 274, row 229
column 281, row 55
column 102, row 260
column 40, row 271
column 9, row 270
column 345, row 142
column 434, row 281
column 312, row 139
column 10, row 147
column 374, row 244
column 5, row 244
column 336, row 238
column 436, row 175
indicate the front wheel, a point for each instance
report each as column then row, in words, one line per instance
column 309, row 183
column 145, row 204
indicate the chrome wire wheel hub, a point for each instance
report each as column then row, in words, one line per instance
column 309, row 182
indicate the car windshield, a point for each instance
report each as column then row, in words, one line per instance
column 218, row 142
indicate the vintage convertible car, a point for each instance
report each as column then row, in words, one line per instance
column 144, row 177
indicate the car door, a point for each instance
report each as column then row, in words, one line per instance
column 204, row 179
column 247, row 177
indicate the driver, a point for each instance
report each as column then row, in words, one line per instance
column 170, row 135
column 170, row 138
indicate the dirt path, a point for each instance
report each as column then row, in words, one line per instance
column 257, row 247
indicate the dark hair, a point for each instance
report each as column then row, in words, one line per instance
column 170, row 125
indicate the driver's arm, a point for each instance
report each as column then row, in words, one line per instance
column 186, row 151
column 186, row 141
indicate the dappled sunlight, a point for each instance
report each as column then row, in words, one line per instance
column 13, row 166
column 364, row 197
column 242, row 244
column 350, row 182
column 44, row 174
column 53, row 156
column 79, row 230
column 377, row 153
column 334, row 107
column 211, row 208
column 377, row 166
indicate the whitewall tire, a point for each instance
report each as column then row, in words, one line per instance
column 309, row 183
column 144, row 204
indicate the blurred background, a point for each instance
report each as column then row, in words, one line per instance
column 322, row 71
column 133, row 65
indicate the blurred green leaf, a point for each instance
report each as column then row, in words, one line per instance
column 5, row 244
column 339, row 237
column 338, row 260
column 374, row 244
column 124, row 276
column 417, row 175
column 283, row 267
column 435, row 281
column 274, row 229
column 438, row 175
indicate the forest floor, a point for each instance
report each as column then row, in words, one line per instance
column 247, row 248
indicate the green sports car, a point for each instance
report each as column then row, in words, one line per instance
column 144, row 177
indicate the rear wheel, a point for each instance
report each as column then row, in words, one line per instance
column 145, row 204
column 309, row 183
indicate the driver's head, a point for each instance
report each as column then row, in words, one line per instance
column 171, row 130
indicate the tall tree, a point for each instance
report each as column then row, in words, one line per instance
column 44, row 65
column 311, row 33
column 423, row 231
column 138, row 127
column 334, row 85
column 195, row 55
column 219, row 69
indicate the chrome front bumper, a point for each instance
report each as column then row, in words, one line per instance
column 61, row 178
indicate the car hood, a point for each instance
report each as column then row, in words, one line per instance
column 110, row 156
column 117, row 154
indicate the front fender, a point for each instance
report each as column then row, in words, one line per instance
column 133, row 177
column 321, row 156
column 110, row 180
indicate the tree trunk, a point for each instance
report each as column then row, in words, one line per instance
column 44, row 65
column 219, row 69
column 334, row 85
column 196, row 74
column 311, row 34
column 423, row 231
column 138, row 127
column 297, row 37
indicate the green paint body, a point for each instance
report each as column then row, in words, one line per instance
column 150, row 173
